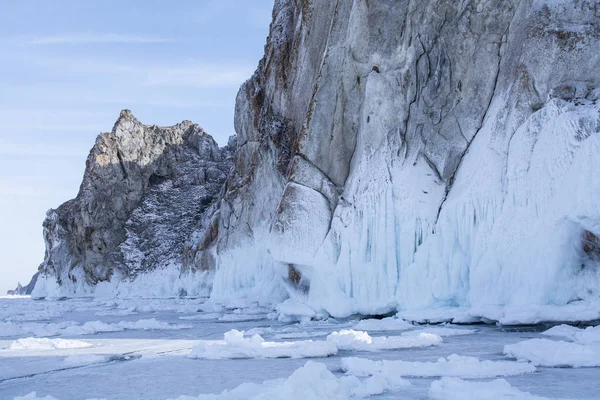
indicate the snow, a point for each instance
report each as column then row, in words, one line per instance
column 455, row 389
column 235, row 345
column 453, row 366
column 47, row 344
column 292, row 310
column 382, row 325
column 361, row 341
column 33, row 396
column 552, row 353
column 589, row 335
column 156, row 364
column 313, row 381
column 440, row 331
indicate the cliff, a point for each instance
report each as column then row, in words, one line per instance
column 400, row 156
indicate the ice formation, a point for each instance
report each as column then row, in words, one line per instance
column 455, row 389
column 47, row 344
column 235, row 345
column 362, row 341
column 389, row 157
column 583, row 349
column 452, row 366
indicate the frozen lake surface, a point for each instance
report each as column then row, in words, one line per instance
column 168, row 348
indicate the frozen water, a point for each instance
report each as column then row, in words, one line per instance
column 236, row 345
column 155, row 365
column 552, row 353
column 47, row 344
column 456, row 389
column 385, row 324
column 361, row 341
column 454, row 365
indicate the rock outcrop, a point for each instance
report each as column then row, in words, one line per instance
column 145, row 191
column 390, row 155
column 408, row 155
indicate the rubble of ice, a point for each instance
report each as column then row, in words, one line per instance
column 452, row 366
column 235, row 345
column 361, row 341
column 458, row 389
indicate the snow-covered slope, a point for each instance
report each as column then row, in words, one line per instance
column 409, row 156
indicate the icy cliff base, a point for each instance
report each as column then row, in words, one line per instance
column 517, row 228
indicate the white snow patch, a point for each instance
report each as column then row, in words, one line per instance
column 453, row 366
column 292, row 310
column 47, row 344
column 385, row 324
column 361, row 341
column 235, row 345
column 552, row 353
column 312, row 381
column 456, row 389
column 589, row 335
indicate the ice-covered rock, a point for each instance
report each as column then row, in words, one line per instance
column 443, row 156
column 389, row 156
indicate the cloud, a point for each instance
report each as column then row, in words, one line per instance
column 100, row 38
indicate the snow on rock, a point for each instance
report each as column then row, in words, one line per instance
column 47, row 344
column 552, row 353
column 362, row 341
column 382, row 325
column 235, row 345
column 453, row 366
column 456, row 389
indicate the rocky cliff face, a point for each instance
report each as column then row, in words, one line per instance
column 417, row 154
column 404, row 155
column 145, row 191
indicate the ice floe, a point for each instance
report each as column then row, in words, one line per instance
column 235, row 345
column 453, row 366
column 47, row 344
column 456, row 389
column 361, row 341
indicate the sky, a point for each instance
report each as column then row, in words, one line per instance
column 69, row 66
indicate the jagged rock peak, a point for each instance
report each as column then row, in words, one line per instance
column 145, row 190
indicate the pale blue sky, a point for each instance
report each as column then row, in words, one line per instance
column 69, row 66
